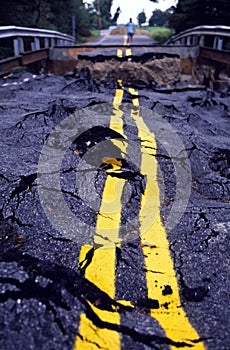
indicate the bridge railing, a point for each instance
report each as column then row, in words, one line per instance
column 38, row 38
column 216, row 37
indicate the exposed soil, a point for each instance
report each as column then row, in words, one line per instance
column 156, row 72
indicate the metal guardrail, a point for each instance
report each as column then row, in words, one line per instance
column 19, row 34
column 198, row 35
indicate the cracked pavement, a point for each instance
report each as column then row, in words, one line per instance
column 43, row 289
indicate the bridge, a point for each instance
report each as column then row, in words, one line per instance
column 203, row 45
column 30, row 45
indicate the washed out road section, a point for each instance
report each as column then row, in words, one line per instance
column 43, row 288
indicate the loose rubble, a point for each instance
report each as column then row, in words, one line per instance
column 155, row 72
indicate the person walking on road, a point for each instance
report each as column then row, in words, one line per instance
column 130, row 31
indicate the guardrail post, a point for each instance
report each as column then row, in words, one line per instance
column 46, row 42
column 201, row 42
column 218, row 43
column 194, row 40
column 215, row 42
column 188, row 40
column 37, row 43
column 60, row 42
column 18, row 46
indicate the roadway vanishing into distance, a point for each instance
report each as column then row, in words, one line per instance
column 114, row 213
column 122, row 39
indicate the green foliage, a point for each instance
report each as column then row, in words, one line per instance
column 57, row 14
column 18, row 13
column 82, row 18
column 158, row 18
column 93, row 17
column 191, row 13
column 105, row 8
column 95, row 32
column 141, row 18
column 48, row 14
column 161, row 34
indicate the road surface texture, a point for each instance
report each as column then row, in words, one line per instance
column 119, row 40
column 75, row 276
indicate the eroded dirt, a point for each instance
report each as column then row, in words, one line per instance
column 43, row 287
column 155, row 72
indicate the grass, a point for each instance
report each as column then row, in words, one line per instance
column 161, row 34
column 95, row 33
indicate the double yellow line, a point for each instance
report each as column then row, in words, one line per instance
column 160, row 275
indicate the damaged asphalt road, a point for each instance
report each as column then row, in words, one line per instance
column 43, row 289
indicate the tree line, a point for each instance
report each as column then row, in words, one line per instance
column 192, row 13
column 56, row 14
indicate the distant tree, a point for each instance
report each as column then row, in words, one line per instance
column 16, row 13
column 83, row 23
column 116, row 15
column 191, row 13
column 158, row 18
column 141, row 18
column 105, row 11
column 93, row 16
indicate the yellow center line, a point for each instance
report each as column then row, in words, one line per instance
column 119, row 53
column 128, row 52
column 101, row 270
column 160, row 274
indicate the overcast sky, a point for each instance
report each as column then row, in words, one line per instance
column 131, row 8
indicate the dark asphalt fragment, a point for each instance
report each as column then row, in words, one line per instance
column 195, row 294
column 148, row 303
column 220, row 162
